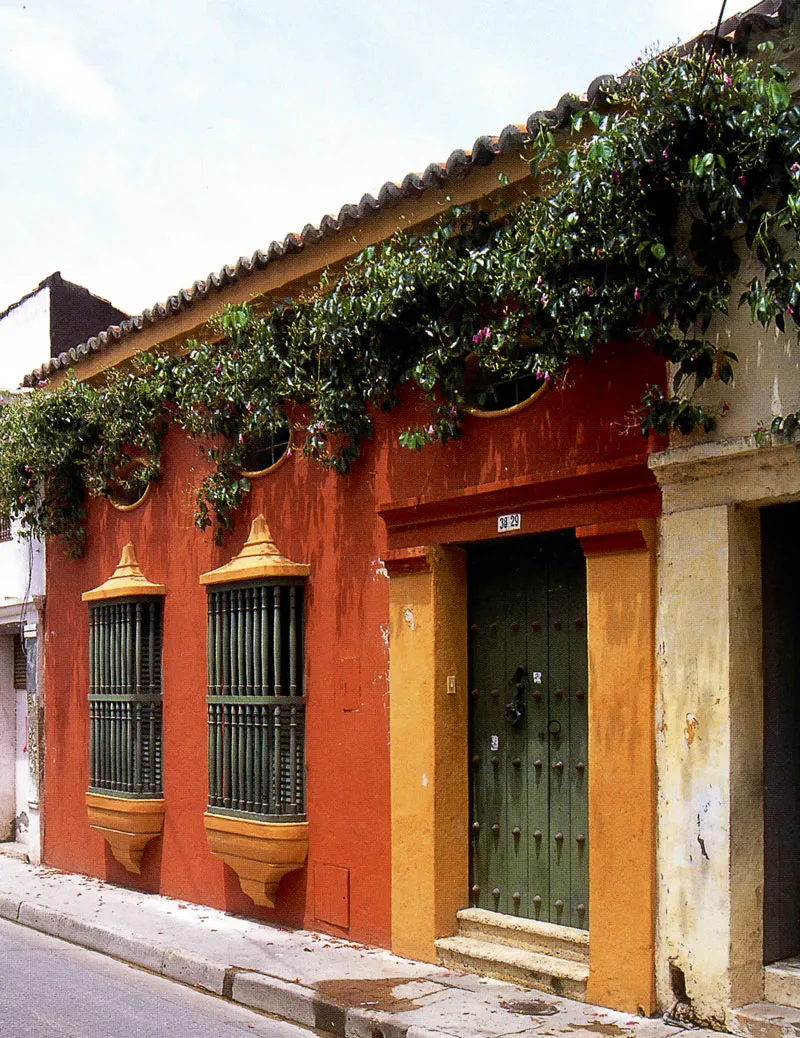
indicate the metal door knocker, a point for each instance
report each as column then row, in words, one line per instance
column 521, row 685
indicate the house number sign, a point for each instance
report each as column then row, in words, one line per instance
column 506, row 523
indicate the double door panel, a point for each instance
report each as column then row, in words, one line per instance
column 528, row 729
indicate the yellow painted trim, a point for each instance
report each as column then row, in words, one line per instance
column 259, row 559
column 472, row 365
column 133, row 463
column 126, row 825
column 428, row 747
column 622, row 819
column 260, row 853
column 257, row 473
column 506, row 411
column 126, row 581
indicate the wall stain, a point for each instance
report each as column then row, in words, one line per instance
column 532, row 1007
column 372, row 992
column 599, row 1028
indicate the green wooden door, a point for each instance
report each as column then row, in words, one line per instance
column 528, row 729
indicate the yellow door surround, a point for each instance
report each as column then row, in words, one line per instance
column 429, row 730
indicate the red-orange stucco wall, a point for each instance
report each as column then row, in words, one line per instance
column 331, row 522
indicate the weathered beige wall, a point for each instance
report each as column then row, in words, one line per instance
column 708, row 748
column 767, row 376
column 428, row 730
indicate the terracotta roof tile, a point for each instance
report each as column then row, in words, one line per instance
column 736, row 30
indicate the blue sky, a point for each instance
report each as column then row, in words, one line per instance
column 148, row 143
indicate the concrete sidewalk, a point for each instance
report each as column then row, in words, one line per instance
column 321, row 982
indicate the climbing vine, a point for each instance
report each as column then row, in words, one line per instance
column 635, row 225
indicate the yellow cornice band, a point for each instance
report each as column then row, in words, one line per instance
column 259, row 559
column 126, row 581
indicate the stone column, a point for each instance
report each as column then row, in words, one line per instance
column 428, row 732
column 620, row 584
column 709, row 758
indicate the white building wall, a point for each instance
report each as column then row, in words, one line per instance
column 21, row 576
column 24, row 344
column 24, row 338
column 8, row 798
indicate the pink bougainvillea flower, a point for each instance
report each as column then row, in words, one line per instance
column 637, row 295
column 725, row 408
column 726, row 79
column 742, row 180
column 790, row 309
column 665, row 154
column 589, row 290
column 615, row 175
column 430, row 430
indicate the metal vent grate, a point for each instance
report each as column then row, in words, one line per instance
column 20, row 664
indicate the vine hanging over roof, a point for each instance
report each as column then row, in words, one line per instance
column 634, row 226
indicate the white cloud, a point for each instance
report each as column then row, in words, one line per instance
column 35, row 54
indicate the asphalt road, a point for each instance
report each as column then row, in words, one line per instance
column 51, row 989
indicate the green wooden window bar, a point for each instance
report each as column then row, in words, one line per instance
column 125, row 697
column 256, row 702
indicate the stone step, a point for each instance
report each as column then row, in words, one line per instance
column 782, row 983
column 518, row 965
column 766, row 1020
column 15, row 850
column 563, row 942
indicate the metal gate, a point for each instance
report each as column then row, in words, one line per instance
column 528, row 728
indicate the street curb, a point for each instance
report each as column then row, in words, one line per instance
column 287, row 1000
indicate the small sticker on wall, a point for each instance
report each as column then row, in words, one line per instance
column 494, row 742
column 507, row 523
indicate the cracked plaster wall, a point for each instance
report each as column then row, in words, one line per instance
column 708, row 751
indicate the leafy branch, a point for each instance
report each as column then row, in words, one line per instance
column 634, row 227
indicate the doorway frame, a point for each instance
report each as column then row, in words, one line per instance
column 429, row 752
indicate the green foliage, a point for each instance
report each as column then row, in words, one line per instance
column 636, row 230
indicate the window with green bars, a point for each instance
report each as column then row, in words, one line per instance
column 256, row 702
column 125, row 697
